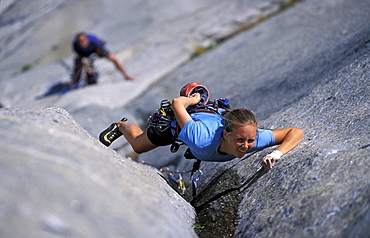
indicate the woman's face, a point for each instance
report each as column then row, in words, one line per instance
column 241, row 140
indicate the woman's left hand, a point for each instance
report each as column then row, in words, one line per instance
column 269, row 160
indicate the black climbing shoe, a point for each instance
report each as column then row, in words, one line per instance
column 111, row 133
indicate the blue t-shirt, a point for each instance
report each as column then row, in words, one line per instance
column 94, row 45
column 203, row 135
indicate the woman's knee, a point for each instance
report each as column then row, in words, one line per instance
column 137, row 138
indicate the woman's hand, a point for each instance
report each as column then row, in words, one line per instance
column 179, row 106
column 195, row 99
column 269, row 160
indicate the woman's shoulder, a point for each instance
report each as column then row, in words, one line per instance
column 205, row 115
column 264, row 138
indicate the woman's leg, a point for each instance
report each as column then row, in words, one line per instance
column 136, row 137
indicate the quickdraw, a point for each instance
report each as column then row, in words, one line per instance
column 176, row 177
column 194, row 181
column 181, row 185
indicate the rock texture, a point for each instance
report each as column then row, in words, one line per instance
column 312, row 74
column 307, row 66
column 321, row 189
column 57, row 180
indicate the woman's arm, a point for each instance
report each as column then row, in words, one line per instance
column 179, row 106
column 288, row 138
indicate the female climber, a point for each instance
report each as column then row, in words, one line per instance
column 210, row 136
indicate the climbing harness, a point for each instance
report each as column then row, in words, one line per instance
column 165, row 124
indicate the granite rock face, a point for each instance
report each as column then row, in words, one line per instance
column 306, row 67
column 312, row 74
column 321, row 188
column 57, row 180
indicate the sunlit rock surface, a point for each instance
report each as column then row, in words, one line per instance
column 307, row 67
column 57, row 180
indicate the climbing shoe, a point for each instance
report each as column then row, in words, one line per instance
column 111, row 133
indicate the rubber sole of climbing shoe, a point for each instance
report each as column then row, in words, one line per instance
column 111, row 133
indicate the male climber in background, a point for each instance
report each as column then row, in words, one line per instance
column 85, row 45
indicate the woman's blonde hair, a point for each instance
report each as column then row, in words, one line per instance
column 238, row 117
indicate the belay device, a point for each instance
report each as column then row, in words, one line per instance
column 164, row 122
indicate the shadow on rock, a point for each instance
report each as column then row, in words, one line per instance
column 55, row 89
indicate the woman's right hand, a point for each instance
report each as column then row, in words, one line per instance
column 179, row 106
column 195, row 99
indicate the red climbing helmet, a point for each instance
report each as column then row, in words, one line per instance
column 195, row 87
